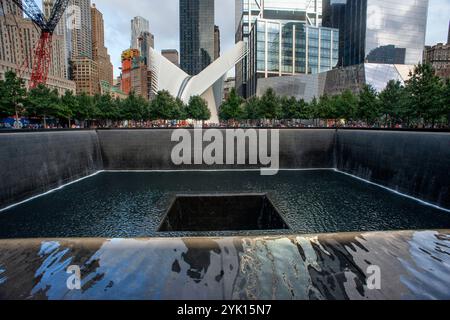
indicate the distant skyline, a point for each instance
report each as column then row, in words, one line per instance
column 164, row 23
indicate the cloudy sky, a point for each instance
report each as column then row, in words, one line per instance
column 164, row 24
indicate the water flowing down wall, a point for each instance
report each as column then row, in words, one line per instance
column 413, row 163
column 33, row 163
column 151, row 150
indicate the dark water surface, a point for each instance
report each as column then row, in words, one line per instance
column 133, row 205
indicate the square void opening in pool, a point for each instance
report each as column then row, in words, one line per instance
column 222, row 212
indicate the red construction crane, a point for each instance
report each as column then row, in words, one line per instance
column 43, row 51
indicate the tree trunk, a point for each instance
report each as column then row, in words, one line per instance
column 45, row 122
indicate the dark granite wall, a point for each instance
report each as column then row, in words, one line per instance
column 413, row 163
column 151, row 150
column 32, row 163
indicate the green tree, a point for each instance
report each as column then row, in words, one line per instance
column 179, row 112
column 134, row 107
column 368, row 105
column 325, row 107
column 44, row 103
column 346, row 105
column 270, row 105
column 164, row 107
column 198, row 109
column 291, row 108
column 447, row 101
column 13, row 95
column 85, row 108
column 106, row 108
column 305, row 110
column 232, row 109
column 252, row 109
column 70, row 101
column 313, row 110
column 426, row 92
column 394, row 103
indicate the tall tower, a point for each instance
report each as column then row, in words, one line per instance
column 196, row 35
column 81, row 38
column 99, row 51
column 378, row 31
column 139, row 25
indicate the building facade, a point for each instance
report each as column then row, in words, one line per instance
column 216, row 42
column 281, row 12
column 136, row 76
column 99, row 51
column 379, row 31
column 196, row 35
column 171, row 55
column 138, row 26
column 278, row 48
column 80, row 38
column 333, row 82
column 18, row 37
column 86, row 76
column 439, row 57
column 146, row 41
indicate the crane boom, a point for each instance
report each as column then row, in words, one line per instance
column 30, row 8
column 57, row 12
column 43, row 52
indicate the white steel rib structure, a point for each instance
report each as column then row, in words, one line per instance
column 208, row 84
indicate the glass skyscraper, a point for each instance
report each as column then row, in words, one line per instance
column 379, row 31
column 282, row 48
column 284, row 37
column 196, row 35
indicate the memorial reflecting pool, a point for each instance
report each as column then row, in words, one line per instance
column 134, row 204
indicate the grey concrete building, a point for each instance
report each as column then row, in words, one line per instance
column 139, row 25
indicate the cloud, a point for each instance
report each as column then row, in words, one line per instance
column 164, row 23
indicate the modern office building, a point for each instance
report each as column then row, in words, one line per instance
column 138, row 26
column 171, row 55
column 196, row 35
column 99, row 51
column 379, row 31
column 272, row 30
column 216, row 42
column 334, row 17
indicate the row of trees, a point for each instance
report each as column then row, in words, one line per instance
column 43, row 103
column 424, row 101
